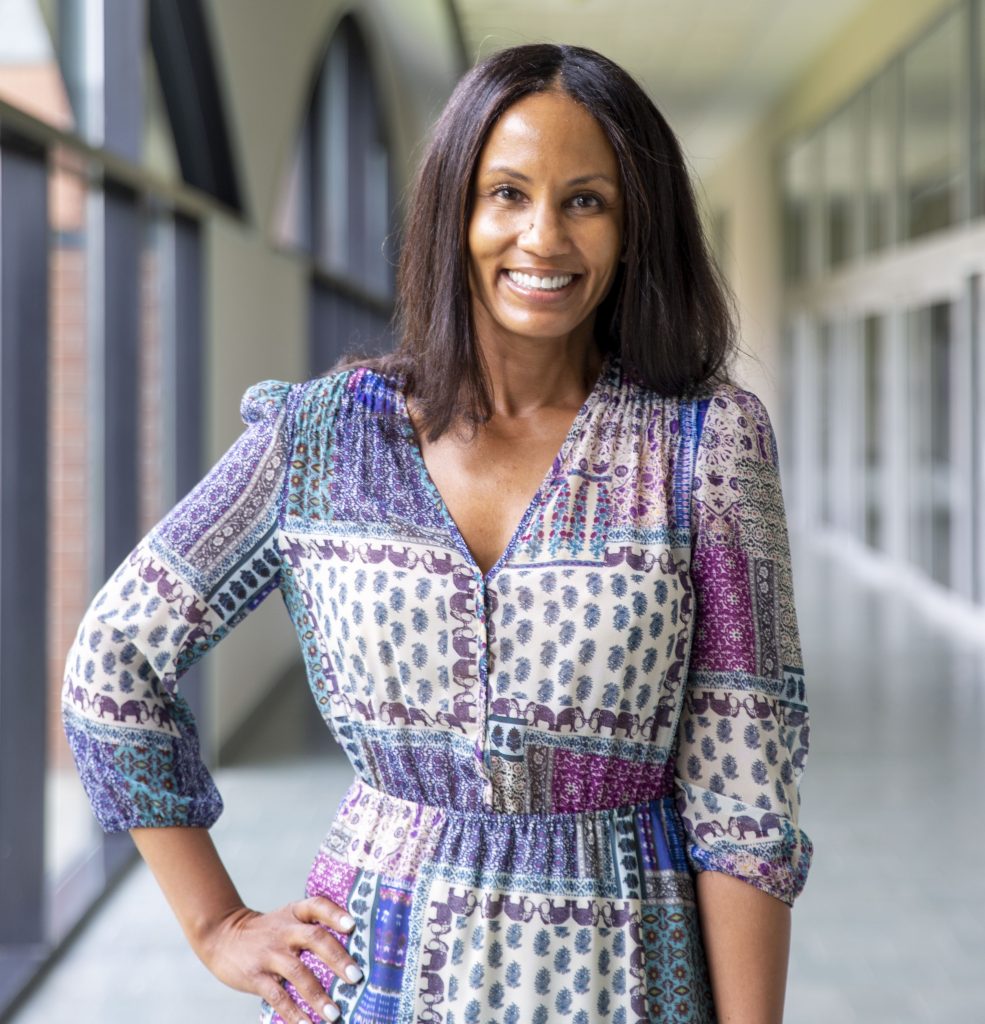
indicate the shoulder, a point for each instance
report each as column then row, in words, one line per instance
column 264, row 400
column 735, row 421
column 732, row 399
column 713, row 410
column 269, row 400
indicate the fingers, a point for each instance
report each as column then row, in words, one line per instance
column 319, row 913
column 321, row 910
column 300, row 997
column 271, row 990
column 305, row 975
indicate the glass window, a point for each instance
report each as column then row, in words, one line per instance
column 933, row 154
column 799, row 189
column 873, row 441
column 789, row 441
column 841, row 178
column 293, row 226
column 930, row 457
column 978, row 434
column 880, row 160
column 159, row 153
column 30, row 75
column 336, row 199
column 826, row 356
column 354, row 166
column 980, row 86
column 153, row 433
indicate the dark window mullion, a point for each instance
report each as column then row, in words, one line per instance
column 119, row 372
column 23, row 537
column 124, row 44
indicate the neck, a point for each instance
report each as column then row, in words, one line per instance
column 526, row 377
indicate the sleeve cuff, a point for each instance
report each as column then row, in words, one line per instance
column 778, row 867
column 144, row 778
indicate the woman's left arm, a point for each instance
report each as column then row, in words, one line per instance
column 743, row 734
column 747, row 944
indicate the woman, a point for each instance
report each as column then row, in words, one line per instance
column 538, row 566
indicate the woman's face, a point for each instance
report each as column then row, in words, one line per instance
column 546, row 227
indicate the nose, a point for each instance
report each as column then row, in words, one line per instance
column 547, row 233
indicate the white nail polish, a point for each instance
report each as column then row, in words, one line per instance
column 346, row 922
column 353, row 973
column 330, row 1012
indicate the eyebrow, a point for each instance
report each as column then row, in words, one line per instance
column 583, row 180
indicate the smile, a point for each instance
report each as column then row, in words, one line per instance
column 543, row 284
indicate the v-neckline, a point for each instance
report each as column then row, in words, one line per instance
column 535, row 502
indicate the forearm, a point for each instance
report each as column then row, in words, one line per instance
column 746, row 935
column 192, row 877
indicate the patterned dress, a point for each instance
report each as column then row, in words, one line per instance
column 544, row 754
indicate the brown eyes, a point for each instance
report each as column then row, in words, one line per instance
column 582, row 201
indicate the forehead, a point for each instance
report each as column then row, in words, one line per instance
column 547, row 127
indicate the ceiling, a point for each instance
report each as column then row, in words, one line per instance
column 713, row 67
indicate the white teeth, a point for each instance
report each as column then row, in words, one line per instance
column 545, row 284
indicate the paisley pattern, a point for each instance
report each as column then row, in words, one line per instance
column 544, row 754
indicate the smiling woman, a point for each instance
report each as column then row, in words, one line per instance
column 538, row 566
column 668, row 313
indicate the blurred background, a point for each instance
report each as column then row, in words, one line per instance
column 196, row 195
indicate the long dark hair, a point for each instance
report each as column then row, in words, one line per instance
column 669, row 313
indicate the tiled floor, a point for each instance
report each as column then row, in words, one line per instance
column 891, row 926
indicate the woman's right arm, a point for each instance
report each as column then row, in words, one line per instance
column 197, row 574
column 247, row 950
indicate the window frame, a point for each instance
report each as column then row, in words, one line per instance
column 39, row 914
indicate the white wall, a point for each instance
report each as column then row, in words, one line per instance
column 256, row 304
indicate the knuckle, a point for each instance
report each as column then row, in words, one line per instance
column 318, row 936
column 340, row 961
column 321, row 905
column 295, row 972
column 270, row 990
column 326, row 946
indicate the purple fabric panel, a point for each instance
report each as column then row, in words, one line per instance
column 725, row 636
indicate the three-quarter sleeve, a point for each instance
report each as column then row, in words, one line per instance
column 209, row 562
column 743, row 734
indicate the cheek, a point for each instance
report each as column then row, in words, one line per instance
column 491, row 233
column 607, row 248
column 482, row 237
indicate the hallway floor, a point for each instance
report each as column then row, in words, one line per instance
column 889, row 930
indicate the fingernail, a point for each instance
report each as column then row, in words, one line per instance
column 346, row 922
column 330, row 1012
column 353, row 973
